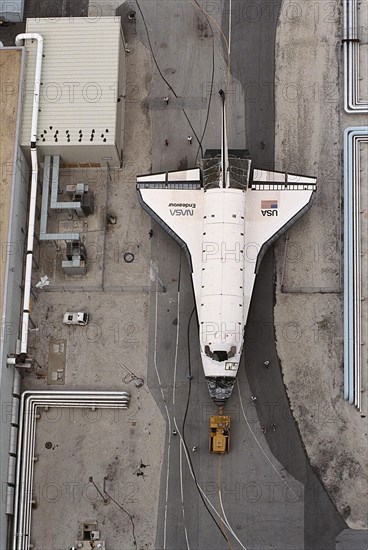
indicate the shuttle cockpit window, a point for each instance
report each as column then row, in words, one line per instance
column 220, row 355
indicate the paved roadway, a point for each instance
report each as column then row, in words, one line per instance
column 264, row 492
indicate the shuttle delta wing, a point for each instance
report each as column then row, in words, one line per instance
column 175, row 201
column 275, row 200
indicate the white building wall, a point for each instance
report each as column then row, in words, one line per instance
column 80, row 117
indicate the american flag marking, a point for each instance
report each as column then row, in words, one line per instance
column 269, row 204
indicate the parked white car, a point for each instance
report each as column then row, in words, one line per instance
column 75, row 318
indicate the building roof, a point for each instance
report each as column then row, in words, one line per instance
column 79, row 82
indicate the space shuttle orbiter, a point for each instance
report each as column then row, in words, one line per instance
column 224, row 215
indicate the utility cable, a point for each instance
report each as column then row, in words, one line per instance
column 199, row 140
column 125, row 512
column 183, row 432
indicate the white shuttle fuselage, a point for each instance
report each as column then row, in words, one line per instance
column 224, row 216
column 221, row 303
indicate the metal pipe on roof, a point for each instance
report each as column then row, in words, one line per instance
column 31, row 402
column 36, row 93
column 353, row 136
column 44, row 236
column 33, row 193
column 31, row 413
column 55, row 204
column 351, row 55
column 45, row 195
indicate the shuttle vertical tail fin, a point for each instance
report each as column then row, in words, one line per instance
column 224, row 145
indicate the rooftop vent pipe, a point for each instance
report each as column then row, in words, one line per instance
column 33, row 195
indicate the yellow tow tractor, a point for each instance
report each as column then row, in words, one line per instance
column 220, row 433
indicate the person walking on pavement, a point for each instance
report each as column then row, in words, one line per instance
column 190, row 139
column 254, row 399
column 166, row 142
column 266, row 364
column 166, row 100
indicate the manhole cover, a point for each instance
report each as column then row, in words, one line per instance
column 48, row 444
column 128, row 257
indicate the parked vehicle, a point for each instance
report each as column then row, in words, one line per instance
column 219, row 433
column 75, row 318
